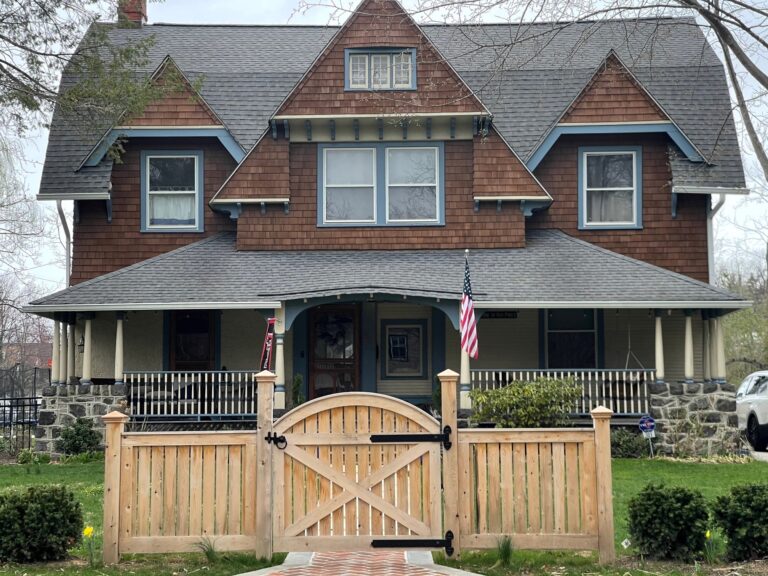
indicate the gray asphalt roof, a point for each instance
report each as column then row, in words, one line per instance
column 527, row 75
column 213, row 271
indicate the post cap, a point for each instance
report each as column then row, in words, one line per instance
column 114, row 416
column 265, row 375
column 601, row 412
column 446, row 374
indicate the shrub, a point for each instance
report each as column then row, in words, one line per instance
column 628, row 444
column 83, row 458
column 39, row 524
column 742, row 517
column 536, row 404
column 79, row 438
column 668, row 522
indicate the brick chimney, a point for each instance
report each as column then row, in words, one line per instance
column 132, row 12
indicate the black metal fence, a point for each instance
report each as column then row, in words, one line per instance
column 18, row 420
column 21, row 381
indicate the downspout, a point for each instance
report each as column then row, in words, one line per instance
column 713, row 210
column 67, row 241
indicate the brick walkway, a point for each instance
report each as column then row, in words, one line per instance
column 358, row 564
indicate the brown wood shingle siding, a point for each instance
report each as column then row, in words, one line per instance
column 679, row 244
column 100, row 247
column 380, row 23
column 498, row 172
column 182, row 108
column 464, row 228
column 263, row 174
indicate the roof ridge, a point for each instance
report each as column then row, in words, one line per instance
column 565, row 236
column 135, row 266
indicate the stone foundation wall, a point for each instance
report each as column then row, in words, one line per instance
column 62, row 405
column 697, row 418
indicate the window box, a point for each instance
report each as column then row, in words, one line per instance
column 172, row 191
column 610, row 188
column 377, row 69
column 382, row 184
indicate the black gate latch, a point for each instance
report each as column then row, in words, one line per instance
column 279, row 441
column 445, row 438
column 445, row 543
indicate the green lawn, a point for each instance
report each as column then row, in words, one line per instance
column 629, row 477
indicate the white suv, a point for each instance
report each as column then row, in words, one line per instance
column 752, row 409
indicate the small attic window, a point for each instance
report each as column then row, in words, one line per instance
column 380, row 69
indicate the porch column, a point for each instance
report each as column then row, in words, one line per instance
column 119, row 354
column 64, row 354
column 465, row 384
column 713, row 359
column 71, row 344
column 688, row 354
column 88, row 351
column 721, row 372
column 705, row 347
column 55, row 353
column 659, row 347
column 280, row 360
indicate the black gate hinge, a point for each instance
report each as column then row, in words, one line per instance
column 445, row 438
column 444, row 543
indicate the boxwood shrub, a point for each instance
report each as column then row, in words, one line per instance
column 628, row 444
column 79, row 438
column 39, row 524
column 668, row 522
column 743, row 517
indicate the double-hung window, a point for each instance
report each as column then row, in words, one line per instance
column 172, row 194
column 610, row 187
column 380, row 184
column 380, row 69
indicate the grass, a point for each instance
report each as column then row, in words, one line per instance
column 87, row 482
column 629, row 477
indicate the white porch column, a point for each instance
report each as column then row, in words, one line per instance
column 71, row 344
column 465, row 383
column 119, row 353
column 659, row 347
column 280, row 359
column 720, row 344
column 55, row 353
column 64, row 354
column 688, row 354
column 88, row 351
column 705, row 349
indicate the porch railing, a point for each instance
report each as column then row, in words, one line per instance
column 623, row 391
column 191, row 396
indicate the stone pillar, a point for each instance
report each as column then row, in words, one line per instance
column 71, row 346
column 55, row 353
column 64, row 354
column 705, row 345
column 279, row 406
column 659, row 347
column 88, row 351
column 119, row 353
column 688, row 350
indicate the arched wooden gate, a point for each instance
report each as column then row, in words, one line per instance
column 356, row 470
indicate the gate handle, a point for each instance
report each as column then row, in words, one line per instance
column 279, row 441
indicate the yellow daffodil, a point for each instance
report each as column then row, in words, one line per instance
column 708, row 535
column 88, row 531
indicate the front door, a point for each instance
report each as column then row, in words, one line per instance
column 334, row 350
column 192, row 341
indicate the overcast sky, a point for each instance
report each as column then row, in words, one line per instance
column 51, row 275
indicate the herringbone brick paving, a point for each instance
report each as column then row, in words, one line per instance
column 357, row 564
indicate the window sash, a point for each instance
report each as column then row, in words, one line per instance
column 381, row 79
column 327, row 187
column 150, row 193
column 401, row 65
column 418, row 360
column 586, row 189
column 357, row 60
column 433, row 184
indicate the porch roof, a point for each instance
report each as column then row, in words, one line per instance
column 553, row 270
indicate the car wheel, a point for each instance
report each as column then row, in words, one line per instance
column 756, row 437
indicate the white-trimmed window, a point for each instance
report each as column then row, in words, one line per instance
column 349, row 185
column 172, row 191
column 380, row 69
column 412, row 184
column 610, row 187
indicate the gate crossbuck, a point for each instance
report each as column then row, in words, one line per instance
column 356, row 471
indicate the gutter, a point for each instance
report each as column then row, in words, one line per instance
column 713, row 210
column 67, row 242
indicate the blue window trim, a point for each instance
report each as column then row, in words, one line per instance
column 380, row 184
column 422, row 323
column 370, row 51
column 145, row 154
column 638, row 200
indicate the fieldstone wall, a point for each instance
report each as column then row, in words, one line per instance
column 697, row 418
column 62, row 405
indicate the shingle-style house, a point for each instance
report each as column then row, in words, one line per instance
column 334, row 177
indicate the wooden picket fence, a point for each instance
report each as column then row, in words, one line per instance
column 354, row 471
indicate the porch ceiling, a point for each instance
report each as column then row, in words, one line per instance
column 554, row 270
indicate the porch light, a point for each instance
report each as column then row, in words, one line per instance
column 81, row 344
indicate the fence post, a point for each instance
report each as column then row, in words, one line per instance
column 265, row 381
column 449, row 414
column 115, row 423
column 601, row 420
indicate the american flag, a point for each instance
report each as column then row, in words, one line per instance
column 467, row 322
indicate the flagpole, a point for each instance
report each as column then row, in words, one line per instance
column 465, row 375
